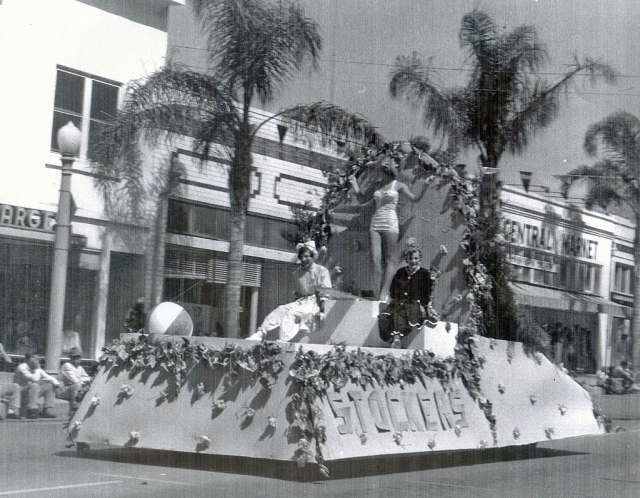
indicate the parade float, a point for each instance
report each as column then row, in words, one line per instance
column 338, row 392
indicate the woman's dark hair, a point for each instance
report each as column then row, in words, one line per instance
column 304, row 249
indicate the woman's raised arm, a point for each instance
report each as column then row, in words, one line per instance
column 407, row 191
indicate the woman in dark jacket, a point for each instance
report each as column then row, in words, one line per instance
column 410, row 294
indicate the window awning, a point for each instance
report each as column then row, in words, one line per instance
column 544, row 297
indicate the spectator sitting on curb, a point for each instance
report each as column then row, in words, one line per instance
column 625, row 372
column 602, row 378
column 9, row 393
column 73, row 377
column 35, row 383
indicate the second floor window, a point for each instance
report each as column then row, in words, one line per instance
column 623, row 279
column 87, row 101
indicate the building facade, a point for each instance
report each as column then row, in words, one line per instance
column 75, row 60
column 65, row 60
column 289, row 169
column 573, row 269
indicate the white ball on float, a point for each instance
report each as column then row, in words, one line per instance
column 171, row 319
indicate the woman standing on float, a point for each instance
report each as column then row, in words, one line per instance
column 384, row 230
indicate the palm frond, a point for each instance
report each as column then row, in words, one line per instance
column 521, row 49
column 254, row 46
column 169, row 101
column 603, row 196
column 443, row 110
column 619, row 136
column 334, row 122
column 478, row 34
column 539, row 102
column 608, row 182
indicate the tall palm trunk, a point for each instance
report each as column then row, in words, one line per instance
column 159, row 241
column 635, row 324
column 239, row 190
column 234, row 276
column 498, row 311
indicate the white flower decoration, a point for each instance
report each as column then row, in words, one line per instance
column 204, row 441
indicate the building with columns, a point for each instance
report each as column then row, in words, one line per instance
column 573, row 269
column 65, row 60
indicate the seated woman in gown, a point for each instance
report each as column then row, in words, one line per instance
column 300, row 315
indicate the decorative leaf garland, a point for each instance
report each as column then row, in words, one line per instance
column 314, row 373
column 148, row 352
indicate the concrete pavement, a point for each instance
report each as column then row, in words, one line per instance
column 35, row 461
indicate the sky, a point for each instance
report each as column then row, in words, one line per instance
column 362, row 38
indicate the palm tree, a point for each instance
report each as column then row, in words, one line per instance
column 614, row 180
column 504, row 103
column 254, row 46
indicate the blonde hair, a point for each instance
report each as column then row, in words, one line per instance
column 411, row 248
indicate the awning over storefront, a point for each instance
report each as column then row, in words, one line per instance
column 544, row 297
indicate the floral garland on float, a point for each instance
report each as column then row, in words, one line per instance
column 428, row 165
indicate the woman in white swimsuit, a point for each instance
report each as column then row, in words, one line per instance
column 384, row 230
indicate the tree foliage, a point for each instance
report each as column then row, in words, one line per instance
column 504, row 103
column 254, row 46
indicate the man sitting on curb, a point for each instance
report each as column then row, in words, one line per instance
column 74, row 378
column 9, row 393
column 35, row 383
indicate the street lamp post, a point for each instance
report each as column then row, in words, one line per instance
column 69, row 140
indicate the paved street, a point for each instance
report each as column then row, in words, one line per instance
column 35, row 462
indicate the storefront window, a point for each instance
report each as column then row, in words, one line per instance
column 213, row 222
column 25, row 279
column 572, row 344
column 621, row 346
column 623, row 279
column 542, row 268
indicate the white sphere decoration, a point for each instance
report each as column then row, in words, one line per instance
column 171, row 319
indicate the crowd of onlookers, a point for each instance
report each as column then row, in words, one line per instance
column 33, row 392
column 618, row 380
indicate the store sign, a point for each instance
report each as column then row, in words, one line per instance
column 554, row 240
column 398, row 410
column 536, row 264
column 31, row 219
